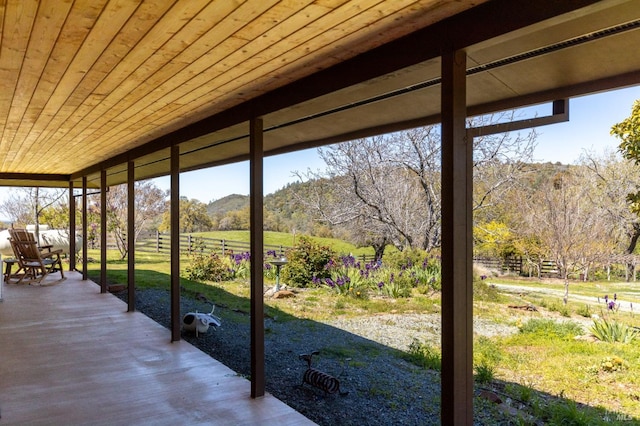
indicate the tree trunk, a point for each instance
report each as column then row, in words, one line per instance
column 632, row 248
column 379, row 251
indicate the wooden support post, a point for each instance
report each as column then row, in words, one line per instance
column 72, row 228
column 457, row 253
column 257, row 258
column 131, row 240
column 103, row 231
column 175, row 243
column 84, row 229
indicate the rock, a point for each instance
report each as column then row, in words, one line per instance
column 283, row 294
column 587, row 338
column 490, row 396
column 116, row 288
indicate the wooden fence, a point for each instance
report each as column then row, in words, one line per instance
column 516, row 265
column 161, row 243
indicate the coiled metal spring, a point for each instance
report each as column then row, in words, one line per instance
column 319, row 379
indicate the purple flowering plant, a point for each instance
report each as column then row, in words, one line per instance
column 346, row 277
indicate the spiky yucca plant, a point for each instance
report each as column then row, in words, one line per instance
column 613, row 331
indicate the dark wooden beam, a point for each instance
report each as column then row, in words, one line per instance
column 45, row 177
column 175, row 243
column 103, row 231
column 131, row 240
column 84, row 228
column 72, row 228
column 256, row 252
column 560, row 114
column 457, row 254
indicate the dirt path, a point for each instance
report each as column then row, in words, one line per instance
column 623, row 305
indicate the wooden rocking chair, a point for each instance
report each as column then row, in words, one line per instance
column 32, row 260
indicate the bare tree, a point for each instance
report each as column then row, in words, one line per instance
column 391, row 183
column 149, row 205
column 562, row 218
column 614, row 181
column 25, row 206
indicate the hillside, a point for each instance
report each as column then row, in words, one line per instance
column 227, row 204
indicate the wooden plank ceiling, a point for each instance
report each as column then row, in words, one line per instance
column 83, row 81
column 92, row 84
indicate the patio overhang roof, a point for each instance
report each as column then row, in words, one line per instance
column 90, row 87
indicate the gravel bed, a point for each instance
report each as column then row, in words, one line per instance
column 363, row 353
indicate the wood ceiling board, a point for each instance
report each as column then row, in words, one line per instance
column 199, row 87
column 35, row 59
column 17, row 21
column 102, row 31
column 123, row 77
column 87, row 96
column 144, row 80
column 103, row 105
column 130, row 111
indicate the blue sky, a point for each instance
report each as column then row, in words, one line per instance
column 591, row 118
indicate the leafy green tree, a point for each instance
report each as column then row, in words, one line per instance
column 235, row 220
column 493, row 239
column 193, row 217
column 628, row 131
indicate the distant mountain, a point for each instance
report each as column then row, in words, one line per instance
column 227, row 204
column 282, row 212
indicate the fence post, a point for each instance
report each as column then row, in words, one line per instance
column 189, row 244
column 222, row 244
column 157, row 241
column 281, row 251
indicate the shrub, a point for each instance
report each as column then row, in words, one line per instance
column 405, row 259
column 240, row 265
column 483, row 291
column 584, row 310
column 307, row 261
column 428, row 273
column 612, row 331
column 346, row 277
column 484, row 373
column 486, row 356
column 411, row 268
column 548, row 328
column 392, row 283
column 209, row 267
column 424, row 355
